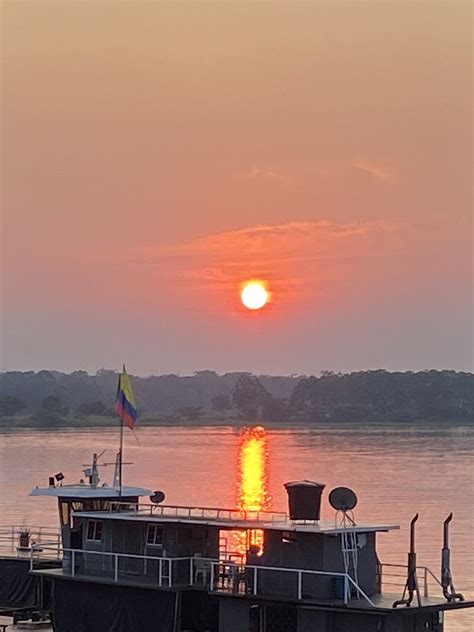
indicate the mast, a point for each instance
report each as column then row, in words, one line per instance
column 126, row 408
column 120, row 456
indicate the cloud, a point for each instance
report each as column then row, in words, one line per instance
column 263, row 173
column 295, row 252
column 380, row 172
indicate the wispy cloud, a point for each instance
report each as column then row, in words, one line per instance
column 277, row 252
column 380, row 172
column 265, row 173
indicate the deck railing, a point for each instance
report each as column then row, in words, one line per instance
column 203, row 513
column 394, row 576
column 19, row 540
column 211, row 575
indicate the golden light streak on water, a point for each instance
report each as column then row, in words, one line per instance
column 253, row 494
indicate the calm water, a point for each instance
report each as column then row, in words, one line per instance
column 395, row 471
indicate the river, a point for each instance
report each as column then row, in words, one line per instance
column 396, row 471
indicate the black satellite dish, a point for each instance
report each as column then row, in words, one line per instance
column 157, row 497
column 342, row 499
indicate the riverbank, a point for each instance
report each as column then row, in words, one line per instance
column 211, row 419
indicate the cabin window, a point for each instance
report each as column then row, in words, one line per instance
column 94, row 530
column 154, row 535
column 64, row 514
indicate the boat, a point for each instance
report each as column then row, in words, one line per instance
column 123, row 560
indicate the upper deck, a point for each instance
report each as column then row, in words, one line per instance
column 83, row 491
column 224, row 518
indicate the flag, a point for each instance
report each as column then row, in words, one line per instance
column 125, row 404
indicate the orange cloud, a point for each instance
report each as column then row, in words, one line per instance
column 301, row 257
column 380, row 172
column 267, row 174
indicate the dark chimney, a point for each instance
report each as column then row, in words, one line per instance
column 304, row 499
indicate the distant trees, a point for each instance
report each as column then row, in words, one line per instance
column 52, row 397
column 10, row 405
column 93, row 408
column 249, row 397
column 51, row 411
column 384, row 396
column 221, row 403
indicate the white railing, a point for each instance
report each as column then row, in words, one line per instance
column 212, row 575
column 160, row 571
column 276, row 581
column 19, row 540
column 205, row 513
column 395, row 576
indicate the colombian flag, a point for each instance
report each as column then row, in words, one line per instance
column 125, row 403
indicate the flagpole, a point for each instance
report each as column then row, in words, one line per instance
column 120, row 455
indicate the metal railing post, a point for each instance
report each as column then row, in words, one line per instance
column 212, row 576
column 116, row 567
column 160, row 572
column 346, row 589
column 191, row 574
column 73, row 563
column 255, row 580
column 300, row 578
column 425, row 582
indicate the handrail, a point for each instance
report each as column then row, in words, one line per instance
column 220, row 513
column 195, row 565
column 20, row 538
column 425, row 570
column 300, row 573
column 219, row 568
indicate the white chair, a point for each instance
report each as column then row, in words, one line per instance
column 201, row 569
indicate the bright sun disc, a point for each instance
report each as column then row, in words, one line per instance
column 254, row 295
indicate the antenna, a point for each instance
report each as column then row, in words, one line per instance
column 157, row 497
column 343, row 499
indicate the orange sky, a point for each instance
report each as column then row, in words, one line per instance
column 157, row 154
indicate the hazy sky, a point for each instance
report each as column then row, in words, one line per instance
column 157, row 154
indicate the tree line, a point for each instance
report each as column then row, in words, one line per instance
column 54, row 398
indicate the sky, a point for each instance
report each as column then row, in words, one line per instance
column 156, row 155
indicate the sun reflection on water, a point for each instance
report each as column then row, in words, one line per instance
column 253, row 494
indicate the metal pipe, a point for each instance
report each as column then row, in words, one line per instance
column 447, row 583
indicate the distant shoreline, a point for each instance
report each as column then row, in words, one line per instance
column 94, row 422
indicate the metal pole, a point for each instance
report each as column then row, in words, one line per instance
column 299, row 584
column 120, row 455
column 212, row 575
column 116, row 568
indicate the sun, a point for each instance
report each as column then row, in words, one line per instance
column 254, row 295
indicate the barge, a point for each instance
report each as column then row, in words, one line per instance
column 124, row 561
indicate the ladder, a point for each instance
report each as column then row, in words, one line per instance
column 350, row 553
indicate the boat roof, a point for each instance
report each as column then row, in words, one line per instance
column 265, row 523
column 87, row 491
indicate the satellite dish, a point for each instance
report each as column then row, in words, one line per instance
column 342, row 499
column 157, row 497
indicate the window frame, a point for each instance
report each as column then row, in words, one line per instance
column 155, row 528
column 92, row 522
